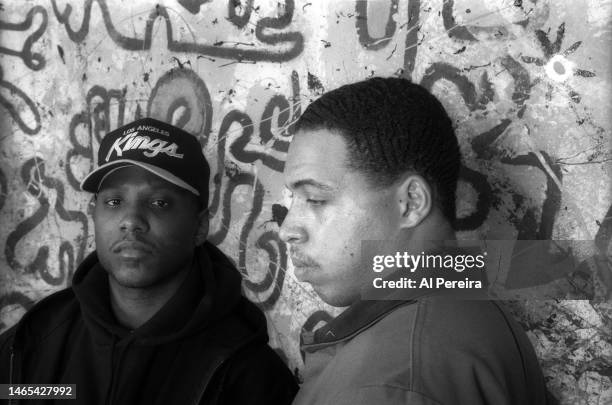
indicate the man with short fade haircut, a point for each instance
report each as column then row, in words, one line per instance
column 155, row 315
column 379, row 160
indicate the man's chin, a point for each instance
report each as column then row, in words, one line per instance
column 333, row 298
column 301, row 274
column 131, row 282
column 131, row 275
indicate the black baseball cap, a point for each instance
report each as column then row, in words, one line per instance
column 163, row 149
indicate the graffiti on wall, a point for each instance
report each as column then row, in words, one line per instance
column 238, row 74
column 278, row 46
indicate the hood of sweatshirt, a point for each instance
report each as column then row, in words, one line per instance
column 211, row 292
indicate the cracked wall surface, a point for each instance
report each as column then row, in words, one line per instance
column 527, row 83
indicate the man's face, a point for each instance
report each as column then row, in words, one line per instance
column 145, row 228
column 333, row 208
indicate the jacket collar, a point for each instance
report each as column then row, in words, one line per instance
column 355, row 319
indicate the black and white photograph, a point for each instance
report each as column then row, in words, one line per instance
column 308, row 202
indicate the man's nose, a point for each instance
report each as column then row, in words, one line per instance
column 292, row 230
column 133, row 220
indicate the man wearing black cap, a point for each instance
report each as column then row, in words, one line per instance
column 153, row 316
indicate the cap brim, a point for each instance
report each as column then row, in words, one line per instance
column 93, row 180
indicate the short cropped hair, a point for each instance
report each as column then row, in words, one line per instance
column 392, row 126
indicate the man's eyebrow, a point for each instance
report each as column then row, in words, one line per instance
column 312, row 183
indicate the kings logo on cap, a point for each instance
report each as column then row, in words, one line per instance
column 152, row 147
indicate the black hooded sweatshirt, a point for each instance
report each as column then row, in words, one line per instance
column 206, row 345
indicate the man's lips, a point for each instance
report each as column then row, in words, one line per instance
column 131, row 248
column 302, row 265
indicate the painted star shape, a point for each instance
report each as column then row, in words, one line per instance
column 556, row 64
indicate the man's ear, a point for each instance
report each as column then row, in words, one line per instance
column 203, row 226
column 415, row 200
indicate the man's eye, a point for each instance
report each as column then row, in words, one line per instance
column 112, row 202
column 160, row 203
column 312, row 201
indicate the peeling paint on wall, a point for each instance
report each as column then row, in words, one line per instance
column 528, row 84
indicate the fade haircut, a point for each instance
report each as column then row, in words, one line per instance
column 392, row 126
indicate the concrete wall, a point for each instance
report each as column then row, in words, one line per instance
column 527, row 83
